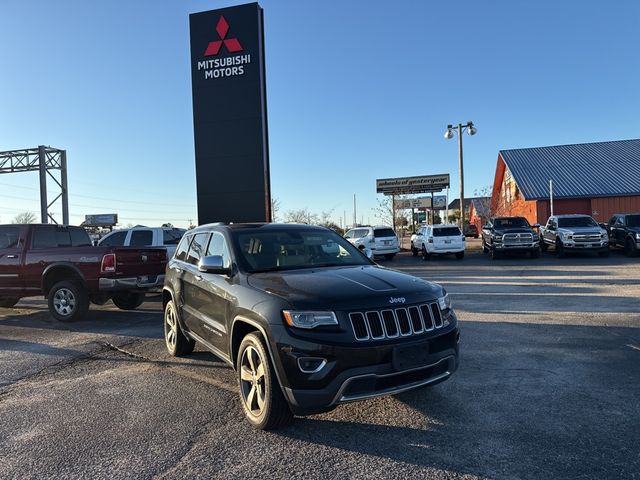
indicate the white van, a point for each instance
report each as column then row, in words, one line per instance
column 439, row 240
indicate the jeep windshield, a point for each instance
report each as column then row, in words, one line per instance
column 266, row 250
column 576, row 222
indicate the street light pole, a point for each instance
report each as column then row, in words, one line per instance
column 461, row 165
column 471, row 130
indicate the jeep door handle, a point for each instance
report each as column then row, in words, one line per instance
column 12, row 256
column 198, row 277
column 177, row 269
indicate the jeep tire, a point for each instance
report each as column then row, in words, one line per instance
column 261, row 397
column 176, row 341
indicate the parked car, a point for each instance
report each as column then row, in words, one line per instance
column 574, row 233
column 60, row 263
column 510, row 235
column 140, row 236
column 439, row 240
column 305, row 330
column 624, row 232
column 381, row 240
column 470, row 230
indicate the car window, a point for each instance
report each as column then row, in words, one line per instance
column 633, row 221
column 218, row 246
column 9, row 237
column 446, row 232
column 44, row 237
column 172, row 236
column 576, row 222
column 383, row 233
column 349, row 234
column 182, row 248
column 79, row 237
column 197, row 248
column 141, row 238
column 515, row 222
column 115, row 239
column 288, row 249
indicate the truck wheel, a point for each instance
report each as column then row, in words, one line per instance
column 128, row 300
column 68, row 301
column 8, row 302
column 262, row 400
column 459, row 255
column 559, row 249
column 495, row 254
column 414, row 250
column 425, row 255
column 485, row 249
column 630, row 249
column 177, row 342
column 543, row 246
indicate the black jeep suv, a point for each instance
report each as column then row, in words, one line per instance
column 305, row 318
column 510, row 235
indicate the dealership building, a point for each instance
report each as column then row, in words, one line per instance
column 597, row 179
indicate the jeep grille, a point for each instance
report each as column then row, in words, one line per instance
column 396, row 322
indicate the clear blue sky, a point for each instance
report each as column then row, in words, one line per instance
column 357, row 90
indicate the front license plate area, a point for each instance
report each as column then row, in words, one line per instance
column 405, row 358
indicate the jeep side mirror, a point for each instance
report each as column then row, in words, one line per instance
column 213, row 264
column 535, row 225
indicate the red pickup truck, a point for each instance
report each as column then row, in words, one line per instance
column 60, row 263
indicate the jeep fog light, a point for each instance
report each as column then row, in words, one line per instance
column 309, row 319
column 311, row 364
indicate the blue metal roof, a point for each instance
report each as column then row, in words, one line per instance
column 603, row 169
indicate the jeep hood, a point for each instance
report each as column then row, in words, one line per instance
column 345, row 287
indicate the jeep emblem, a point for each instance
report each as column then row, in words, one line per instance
column 397, row 300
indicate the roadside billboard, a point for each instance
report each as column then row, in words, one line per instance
column 408, row 185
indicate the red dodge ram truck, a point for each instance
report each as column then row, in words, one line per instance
column 60, row 263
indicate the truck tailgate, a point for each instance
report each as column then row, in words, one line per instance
column 135, row 261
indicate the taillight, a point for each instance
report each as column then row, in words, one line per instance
column 108, row 263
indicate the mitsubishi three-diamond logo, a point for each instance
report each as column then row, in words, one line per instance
column 223, row 66
column 231, row 44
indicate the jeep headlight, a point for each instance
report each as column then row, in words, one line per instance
column 497, row 238
column 444, row 302
column 309, row 319
column 565, row 236
column 604, row 235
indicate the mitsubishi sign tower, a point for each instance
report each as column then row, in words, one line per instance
column 230, row 115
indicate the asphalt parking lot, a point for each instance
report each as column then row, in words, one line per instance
column 549, row 387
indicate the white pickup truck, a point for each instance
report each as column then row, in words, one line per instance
column 574, row 233
column 140, row 236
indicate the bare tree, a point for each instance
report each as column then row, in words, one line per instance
column 302, row 215
column 325, row 218
column 25, row 217
column 384, row 212
column 275, row 208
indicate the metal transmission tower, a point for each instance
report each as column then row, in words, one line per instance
column 44, row 160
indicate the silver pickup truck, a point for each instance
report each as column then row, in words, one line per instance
column 574, row 233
